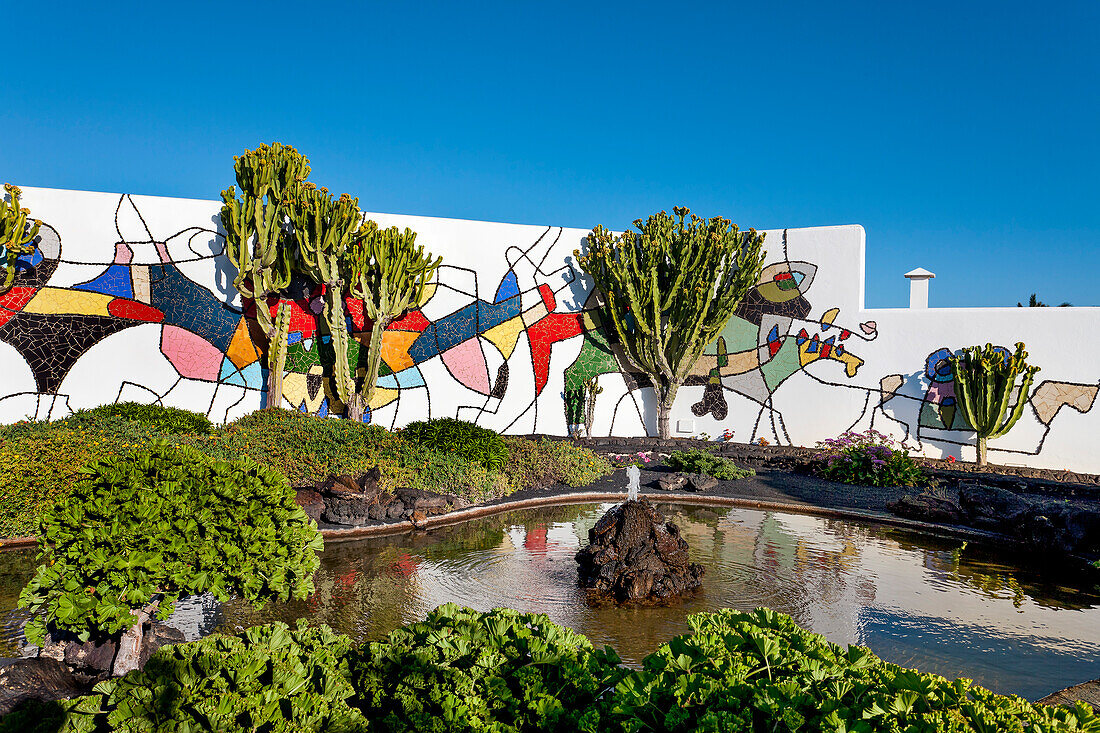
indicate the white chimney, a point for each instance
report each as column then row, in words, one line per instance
column 918, row 287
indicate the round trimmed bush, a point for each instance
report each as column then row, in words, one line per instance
column 165, row 420
column 162, row 523
column 462, row 438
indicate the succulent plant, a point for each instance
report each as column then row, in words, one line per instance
column 324, row 228
column 256, row 235
column 17, row 234
column 669, row 288
column 985, row 382
column 389, row 272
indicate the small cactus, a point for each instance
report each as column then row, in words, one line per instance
column 16, row 234
column 593, row 390
column 985, row 380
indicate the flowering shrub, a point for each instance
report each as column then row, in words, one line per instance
column 869, row 458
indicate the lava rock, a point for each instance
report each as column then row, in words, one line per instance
column 40, row 678
column 395, row 509
column 635, row 554
column 312, row 502
column 988, row 507
column 418, row 500
column 339, row 485
column 927, row 508
column 369, row 481
column 672, row 481
column 701, row 482
column 347, row 509
column 90, row 657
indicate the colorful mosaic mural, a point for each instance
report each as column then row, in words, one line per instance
column 939, row 421
column 206, row 340
column 509, row 328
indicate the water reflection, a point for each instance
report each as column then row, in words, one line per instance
column 936, row 604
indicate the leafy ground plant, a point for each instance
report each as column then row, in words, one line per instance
column 505, row 671
column 140, row 531
column 701, row 461
column 868, row 459
column 761, row 672
column 267, row 678
column 462, row 670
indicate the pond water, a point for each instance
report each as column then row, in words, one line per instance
column 917, row 600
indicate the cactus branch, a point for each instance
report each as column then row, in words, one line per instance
column 17, row 235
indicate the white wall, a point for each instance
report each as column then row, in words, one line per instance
column 176, row 336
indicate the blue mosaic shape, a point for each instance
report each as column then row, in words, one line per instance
column 508, row 288
column 115, row 280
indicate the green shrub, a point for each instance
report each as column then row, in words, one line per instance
column 701, row 461
column 162, row 523
column 461, row 670
column 40, row 460
column 544, row 462
column 867, row 459
column 304, row 448
column 761, row 672
column 265, row 678
column 165, row 420
column 465, row 439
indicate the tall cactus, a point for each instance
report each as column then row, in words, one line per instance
column 276, row 355
column 16, row 235
column 389, row 272
column 669, row 289
column 255, row 234
column 985, row 380
column 324, row 228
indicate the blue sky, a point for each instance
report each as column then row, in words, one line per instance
column 962, row 136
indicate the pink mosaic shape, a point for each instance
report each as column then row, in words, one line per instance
column 466, row 363
column 193, row 356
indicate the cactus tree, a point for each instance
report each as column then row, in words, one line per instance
column 256, row 233
column 985, row 381
column 324, row 228
column 669, row 288
column 389, row 272
column 16, row 235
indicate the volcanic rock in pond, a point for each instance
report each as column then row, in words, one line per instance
column 634, row 553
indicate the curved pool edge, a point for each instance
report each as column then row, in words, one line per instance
column 590, row 497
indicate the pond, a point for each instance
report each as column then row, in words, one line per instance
column 960, row 610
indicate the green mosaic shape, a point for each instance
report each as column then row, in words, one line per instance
column 594, row 359
column 781, row 366
column 739, row 334
column 299, row 359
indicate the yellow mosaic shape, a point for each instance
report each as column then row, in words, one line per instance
column 58, row 301
column 505, row 335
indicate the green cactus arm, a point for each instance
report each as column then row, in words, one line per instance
column 16, row 234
